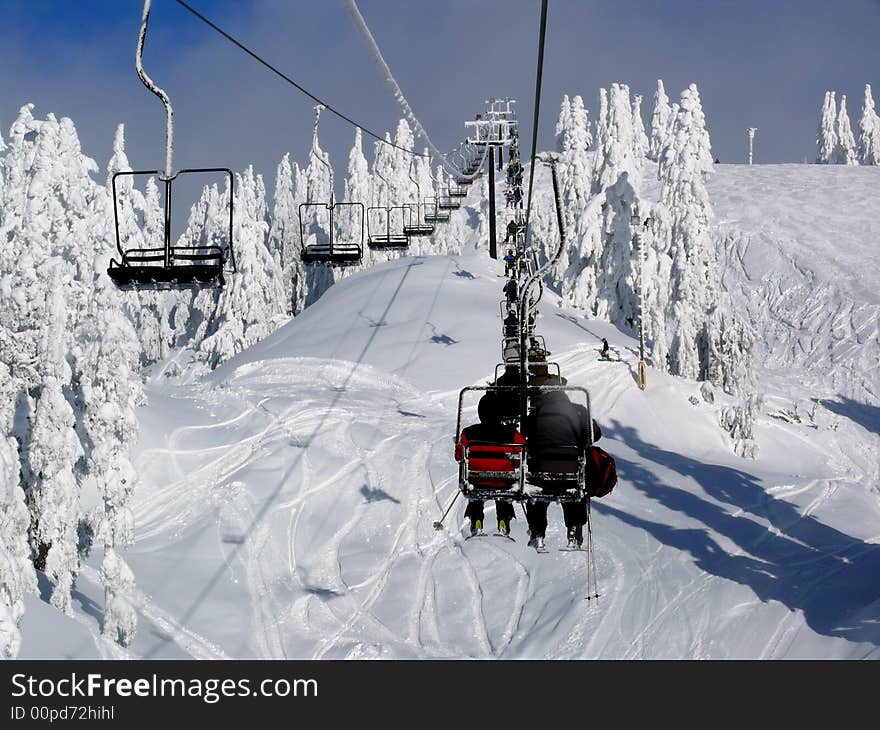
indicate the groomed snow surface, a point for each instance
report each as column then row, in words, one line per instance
column 287, row 499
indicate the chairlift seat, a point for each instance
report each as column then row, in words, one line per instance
column 168, row 266
column 391, row 242
column 341, row 254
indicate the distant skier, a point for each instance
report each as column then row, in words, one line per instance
column 509, row 262
column 605, row 348
column 510, row 233
column 517, row 197
column 511, row 291
column 490, row 430
column 508, row 197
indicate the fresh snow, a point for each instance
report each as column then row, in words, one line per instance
column 285, row 500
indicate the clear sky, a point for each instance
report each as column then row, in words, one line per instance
column 764, row 64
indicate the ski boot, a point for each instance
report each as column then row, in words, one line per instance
column 503, row 529
column 477, row 528
column 537, row 542
column 575, row 537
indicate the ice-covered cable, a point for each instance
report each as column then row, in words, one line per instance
column 150, row 84
column 361, row 26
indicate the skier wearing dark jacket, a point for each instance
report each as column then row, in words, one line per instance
column 490, row 430
column 557, row 422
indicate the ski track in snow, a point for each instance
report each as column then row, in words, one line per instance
column 328, row 473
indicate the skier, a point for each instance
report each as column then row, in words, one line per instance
column 508, row 197
column 491, row 430
column 556, row 422
column 511, row 232
column 510, row 291
column 509, row 261
column 604, row 348
column 517, row 196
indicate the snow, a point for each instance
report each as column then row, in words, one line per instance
column 285, row 500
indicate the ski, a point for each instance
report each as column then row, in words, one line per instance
column 479, row 534
column 501, row 534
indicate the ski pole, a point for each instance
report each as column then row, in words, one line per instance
column 438, row 525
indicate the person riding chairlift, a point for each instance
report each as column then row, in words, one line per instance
column 490, row 430
column 556, row 422
column 509, row 262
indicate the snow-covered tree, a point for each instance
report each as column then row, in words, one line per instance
column 641, row 144
column 869, row 131
column 659, row 121
column 351, row 224
column 251, row 304
column 110, row 397
column 17, row 575
column 317, row 188
column 845, row 152
column 564, row 126
column 826, row 138
column 53, row 452
column 614, row 154
column 284, row 244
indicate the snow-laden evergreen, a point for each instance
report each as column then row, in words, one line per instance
column 564, row 126
column 111, row 395
column 614, row 153
column 252, row 304
column 869, row 131
column 53, row 452
column 597, row 271
column 315, row 223
column 845, row 152
column 826, row 138
column 659, row 121
column 17, row 576
column 283, row 242
column 641, row 143
column 352, row 221
column 688, row 318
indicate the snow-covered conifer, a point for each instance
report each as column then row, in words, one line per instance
column 826, row 138
column 869, row 131
column 563, row 126
column 252, row 304
column 53, row 452
column 641, row 144
column 659, row 120
column 845, row 152
column 17, row 575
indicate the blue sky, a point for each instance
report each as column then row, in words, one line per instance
column 763, row 64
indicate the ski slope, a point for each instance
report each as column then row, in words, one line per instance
column 286, row 501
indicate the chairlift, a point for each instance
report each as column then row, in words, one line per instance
column 319, row 236
column 386, row 227
column 323, row 246
column 557, row 474
column 433, row 212
column 168, row 266
column 415, row 223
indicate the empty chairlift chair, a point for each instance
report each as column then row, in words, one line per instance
column 386, row 228
column 160, row 264
column 416, row 221
column 333, row 243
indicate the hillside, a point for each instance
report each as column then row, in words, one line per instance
column 287, row 498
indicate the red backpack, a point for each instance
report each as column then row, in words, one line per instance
column 601, row 472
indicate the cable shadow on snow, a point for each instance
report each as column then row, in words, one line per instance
column 829, row 576
column 270, row 500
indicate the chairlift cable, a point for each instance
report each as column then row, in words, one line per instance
column 539, row 75
column 293, row 83
column 361, row 26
